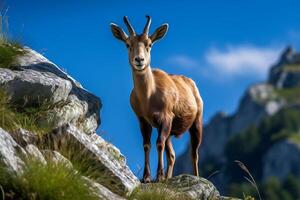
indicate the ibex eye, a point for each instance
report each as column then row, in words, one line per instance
column 127, row 45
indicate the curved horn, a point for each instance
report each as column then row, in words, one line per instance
column 147, row 26
column 129, row 27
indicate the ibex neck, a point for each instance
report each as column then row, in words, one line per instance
column 144, row 84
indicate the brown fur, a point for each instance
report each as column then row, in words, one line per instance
column 170, row 103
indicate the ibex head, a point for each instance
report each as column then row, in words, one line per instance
column 139, row 46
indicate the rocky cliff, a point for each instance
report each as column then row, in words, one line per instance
column 36, row 84
column 261, row 105
column 49, row 148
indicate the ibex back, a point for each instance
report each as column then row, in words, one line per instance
column 170, row 103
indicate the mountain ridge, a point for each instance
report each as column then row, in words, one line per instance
column 260, row 101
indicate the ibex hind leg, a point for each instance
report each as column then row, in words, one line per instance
column 196, row 139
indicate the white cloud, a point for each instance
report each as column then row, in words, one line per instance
column 183, row 61
column 242, row 60
column 233, row 61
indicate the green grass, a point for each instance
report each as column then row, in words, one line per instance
column 9, row 52
column 84, row 162
column 295, row 138
column 292, row 68
column 157, row 191
column 291, row 95
column 9, row 49
column 53, row 181
column 36, row 119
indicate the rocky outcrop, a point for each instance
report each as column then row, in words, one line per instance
column 286, row 73
column 12, row 155
column 194, row 187
column 37, row 82
column 109, row 161
column 186, row 186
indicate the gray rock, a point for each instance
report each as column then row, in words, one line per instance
column 117, row 176
column 194, row 187
column 286, row 73
column 24, row 137
column 56, row 157
column 40, row 82
column 35, row 153
column 10, row 152
column 102, row 192
column 281, row 160
column 258, row 102
column 231, row 198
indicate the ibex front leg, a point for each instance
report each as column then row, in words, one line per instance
column 146, row 130
column 163, row 134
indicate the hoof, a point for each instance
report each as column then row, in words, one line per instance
column 146, row 180
column 160, row 179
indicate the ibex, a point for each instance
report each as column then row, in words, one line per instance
column 170, row 103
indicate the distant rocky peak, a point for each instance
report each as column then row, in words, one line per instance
column 286, row 73
column 290, row 56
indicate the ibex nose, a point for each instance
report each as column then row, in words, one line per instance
column 139, row 59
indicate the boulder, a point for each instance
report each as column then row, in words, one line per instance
column 194, row 187
column 10, row 152
column 34, row 153
column 102, row 192
column 56, row 157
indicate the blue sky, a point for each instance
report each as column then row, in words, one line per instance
column 225, row 46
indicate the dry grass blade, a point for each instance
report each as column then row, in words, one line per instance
column 2, row 192
column 251, row 180
column 213, row 174
column 253, row 184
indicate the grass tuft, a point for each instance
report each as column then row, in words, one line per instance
column 83, row 161
column 291, row 95
column 53, row 181
column 9, row 50
column 157, row 191
column 31, row 119
column 9, row 53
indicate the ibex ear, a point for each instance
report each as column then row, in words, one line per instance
column 159, row 33
column 118, row 32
